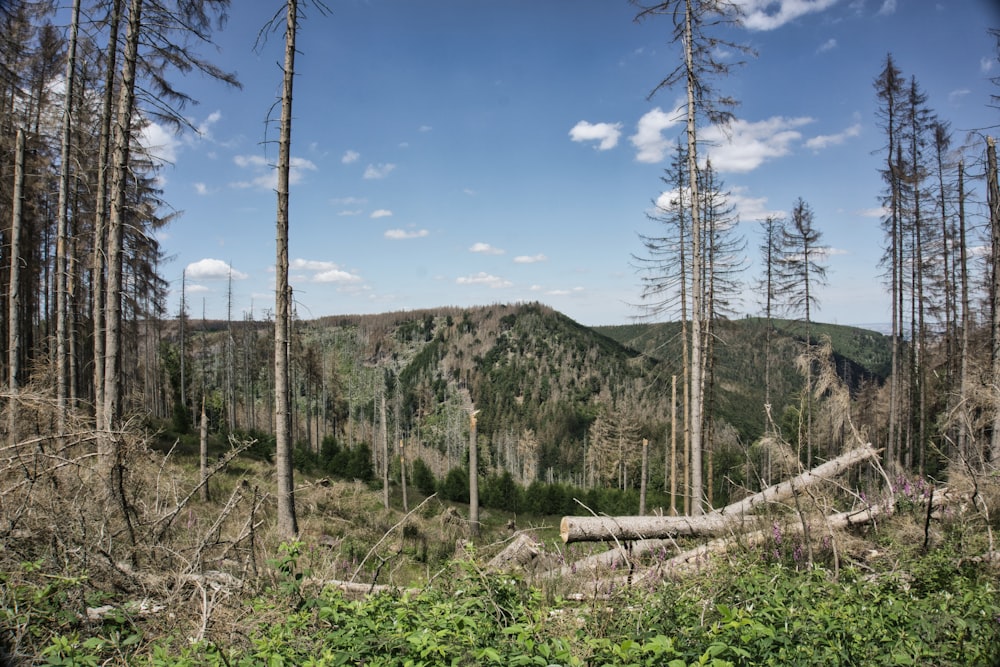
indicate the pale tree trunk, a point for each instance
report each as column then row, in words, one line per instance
column 287, row 523
column 696, row 416
column 963, row 427
column 726, row 519
column 473, row 475
column 14, row 296
column 993, row 198
column 673, row 446
column 385, row 451
column 116, row 228
column 98, row 258
column 203, row 452
column 402, row 474
column 644, row 474
column 62, row 224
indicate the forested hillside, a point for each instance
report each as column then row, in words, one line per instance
column 547, row 390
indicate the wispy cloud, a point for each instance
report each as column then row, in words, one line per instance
column 772, row 14
column 822, row 141
column 648, row 139
column 828, row 45
column 530, row 259
column 403, row 234
column 212, row 269
column 606, row 134
column 486, row 279
column 381, row 213
column 350, row 157
column 751, row 208
column 323, row 271
column 888, row 7
column 265, row 175
column 378, row 171
column 486, row 249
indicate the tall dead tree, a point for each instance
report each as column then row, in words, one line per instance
column 62, row 225
column 692, row 20
column 287, row 523
column 993, row 200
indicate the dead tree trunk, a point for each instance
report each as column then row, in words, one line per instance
column 603, row 528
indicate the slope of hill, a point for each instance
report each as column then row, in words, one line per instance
column 538, row 380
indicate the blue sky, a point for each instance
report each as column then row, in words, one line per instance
column 462, row 153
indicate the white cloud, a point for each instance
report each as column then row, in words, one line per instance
column 266, row 175
column 771, row 14
column 826, row 140
column 483, row 278
column 426, row 128
column 378, row 171
column 349, row 201
column 530, row 259
column 955, row 97
column 828, row 45
column 194, row 288
column 205, row 127
column 877, row 212
column 888, row 7
column 381, row 213
column 743, row 146
column 336, row 276
column 986, row 65
column 211, row 269
column 201, row 188
column 356, row 211
column 486, row 249
column 751, row 208
column 323, row 271
column 310, row 265
column 160, row 143
column 606, row 133
column 649, row 139
column 403, row 234
column 350, row 156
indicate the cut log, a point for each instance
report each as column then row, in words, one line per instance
column 519, row 553
column 718, row 522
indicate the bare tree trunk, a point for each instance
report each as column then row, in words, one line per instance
column 99, row 257
column 116, row 228
column 62, row 224
column 644, row 475
column 14, row 296
column 673, row 446
column 696, row 416
column 402, row 474
column 604, row 528
column 203, row 452
column 287, row 523
column 993, row 199
column 385, row 450
column 963, row 428
column 473, row 475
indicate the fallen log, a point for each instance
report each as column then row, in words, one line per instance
column 717, row 522
column 522, row 550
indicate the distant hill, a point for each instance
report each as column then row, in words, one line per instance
column 537, row 378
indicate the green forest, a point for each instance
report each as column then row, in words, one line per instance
column 397, row 489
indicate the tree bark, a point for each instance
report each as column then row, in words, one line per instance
column 116, row 230
column 14, row 296
column 993, row 198
column 287, row 522
column 602, row 528
column 62, row 224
